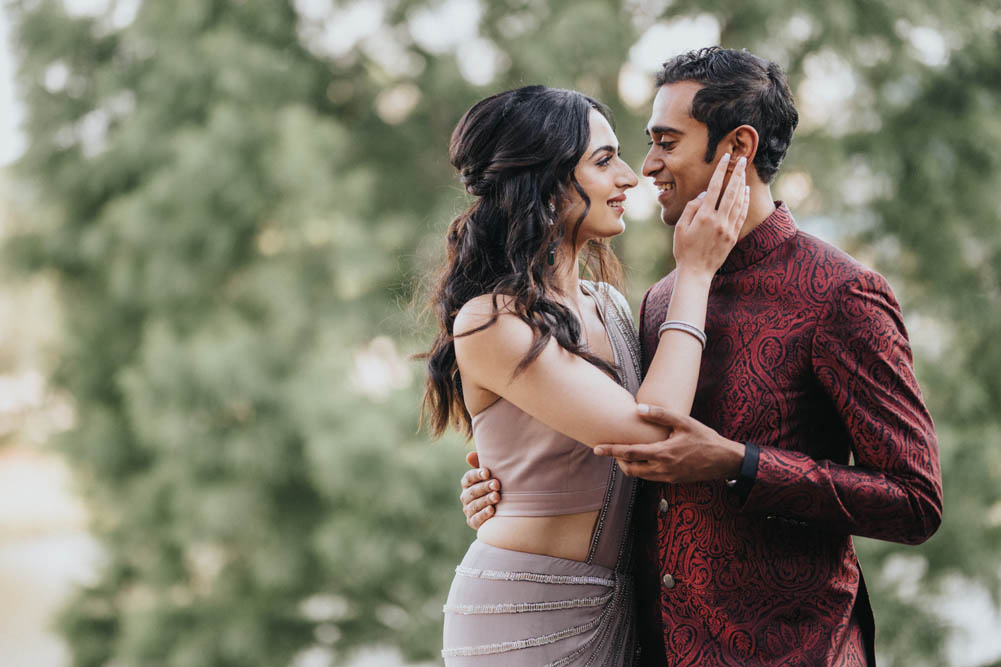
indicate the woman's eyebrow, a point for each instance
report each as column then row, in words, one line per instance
column 607, row 147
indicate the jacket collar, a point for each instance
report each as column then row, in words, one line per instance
column 773, row 231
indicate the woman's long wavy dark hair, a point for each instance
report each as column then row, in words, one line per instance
column 516, row 153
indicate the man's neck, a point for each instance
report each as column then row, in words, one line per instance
column 761, row 206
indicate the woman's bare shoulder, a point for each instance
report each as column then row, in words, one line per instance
column 488, row 329
column 486, row 309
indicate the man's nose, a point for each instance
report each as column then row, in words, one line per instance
column 651, row 164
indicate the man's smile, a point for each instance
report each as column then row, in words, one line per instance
column 664, row 191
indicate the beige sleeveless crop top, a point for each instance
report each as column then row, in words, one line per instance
column 543, row 472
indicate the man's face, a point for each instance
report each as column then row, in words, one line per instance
column 676, row 160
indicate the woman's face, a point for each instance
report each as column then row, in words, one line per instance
column 605, row 178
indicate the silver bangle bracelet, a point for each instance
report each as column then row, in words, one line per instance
column 690, row 329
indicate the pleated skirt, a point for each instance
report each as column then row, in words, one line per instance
column 512, row 608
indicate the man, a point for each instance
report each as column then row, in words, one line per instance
column 749, row 560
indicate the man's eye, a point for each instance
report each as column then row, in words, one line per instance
column 666, row 145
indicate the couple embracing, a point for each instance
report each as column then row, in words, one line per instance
column 684, row 494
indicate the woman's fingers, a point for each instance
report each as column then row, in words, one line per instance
column 480, row 517
column 691, row 208
column 745, row 203
column 734, row 193
column 716, row 182
column 705, row 233
column 478, row 490
column 474, row 476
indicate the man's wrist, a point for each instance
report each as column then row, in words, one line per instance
column 739, row 450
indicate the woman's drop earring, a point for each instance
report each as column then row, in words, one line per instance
column 551, row 258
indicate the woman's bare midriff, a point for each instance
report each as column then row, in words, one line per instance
column 564, row 536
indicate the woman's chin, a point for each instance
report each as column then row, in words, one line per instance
column 606, row 231
column 616, row 228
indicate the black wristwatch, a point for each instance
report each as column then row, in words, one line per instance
column 748, row 471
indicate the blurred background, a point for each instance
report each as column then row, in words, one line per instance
column 216, row 218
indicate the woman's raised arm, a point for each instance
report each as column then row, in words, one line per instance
column 572, row 396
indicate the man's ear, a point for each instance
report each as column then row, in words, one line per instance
column 742, row 141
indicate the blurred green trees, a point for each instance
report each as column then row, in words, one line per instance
column 239, row 199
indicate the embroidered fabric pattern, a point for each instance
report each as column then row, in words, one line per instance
column 520, row 607
column 808, row 357
column 533, row 576
column 503, row 647
column 599, row 524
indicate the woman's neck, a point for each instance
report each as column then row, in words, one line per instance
column 567, row 278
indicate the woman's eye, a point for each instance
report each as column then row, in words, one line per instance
column 603, row 162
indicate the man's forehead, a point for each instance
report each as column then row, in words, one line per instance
column 672, row 106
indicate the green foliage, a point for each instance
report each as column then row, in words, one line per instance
column 231, row 225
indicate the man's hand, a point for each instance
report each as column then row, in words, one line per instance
column 479, row 494
column 692, row 453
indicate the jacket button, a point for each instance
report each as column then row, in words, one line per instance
column 668, row 581
column 663, row 505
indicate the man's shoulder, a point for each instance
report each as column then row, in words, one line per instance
column 831, row 265
column 824, row 273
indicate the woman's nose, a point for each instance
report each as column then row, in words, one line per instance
column 629, row 179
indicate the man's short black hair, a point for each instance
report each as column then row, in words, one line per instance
column 739, row 88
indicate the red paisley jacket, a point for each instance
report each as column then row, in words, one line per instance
column 808, row 359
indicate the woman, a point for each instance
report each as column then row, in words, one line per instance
column 538, row 365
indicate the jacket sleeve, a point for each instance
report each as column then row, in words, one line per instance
column 862, row 359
